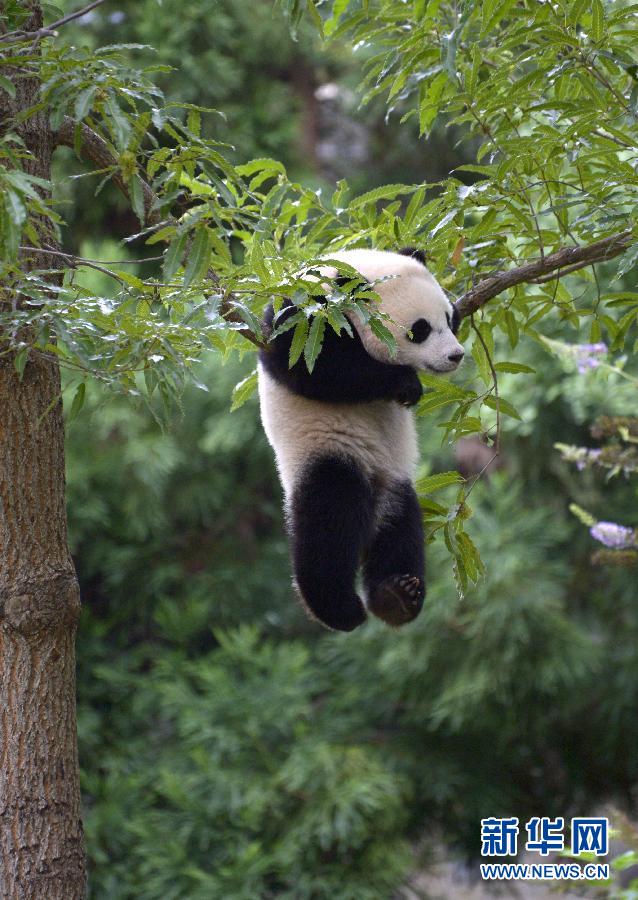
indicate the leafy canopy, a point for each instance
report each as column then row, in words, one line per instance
column 545, row 94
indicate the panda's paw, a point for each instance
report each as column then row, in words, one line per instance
column 410, row 390
column 398, row 600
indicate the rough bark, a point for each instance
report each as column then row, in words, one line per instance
column 41, row 841
column 41, row 845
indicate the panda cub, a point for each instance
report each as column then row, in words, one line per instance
column 346, row 445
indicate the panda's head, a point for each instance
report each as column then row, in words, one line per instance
column 422, row 319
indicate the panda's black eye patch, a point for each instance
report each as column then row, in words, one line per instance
column 420, row 330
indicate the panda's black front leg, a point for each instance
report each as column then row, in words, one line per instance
column 409, row 390
column 330, row 519
column 394, row 565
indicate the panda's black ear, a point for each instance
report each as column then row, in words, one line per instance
column 415, row 253
column 456, row 319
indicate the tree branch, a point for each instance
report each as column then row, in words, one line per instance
column 96, row 150
column 22, row 35
column 568, row 258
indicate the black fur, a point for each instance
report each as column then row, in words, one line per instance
column 344, row 371
column 456, row 319
column 330, row 520
column 394, row 566
column 332, row 530
column 415, row 253
column 421, row 330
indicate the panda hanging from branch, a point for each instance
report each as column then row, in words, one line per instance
column 346, row 446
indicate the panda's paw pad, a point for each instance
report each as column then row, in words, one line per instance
column 411, row 587
column 398, row 599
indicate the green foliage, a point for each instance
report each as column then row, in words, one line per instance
column 221, row 759
column 249, row 788
column 545, row 94
column 216, row 763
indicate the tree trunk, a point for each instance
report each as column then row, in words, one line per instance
column 41, row 840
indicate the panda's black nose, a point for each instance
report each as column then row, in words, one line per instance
column 456, row 357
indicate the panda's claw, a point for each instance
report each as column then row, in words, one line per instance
column 410, row 585
column 398, row 600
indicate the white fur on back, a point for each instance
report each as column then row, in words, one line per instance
column 381, row 435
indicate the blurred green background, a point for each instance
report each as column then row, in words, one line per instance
column 229, row 747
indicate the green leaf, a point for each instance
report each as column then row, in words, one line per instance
column 119, row 123
column 198, row 257
column 173, row 257
column 137, row 198
column 582, row 515
column 243, row 390
column 482, row 362
column 132, row 280
column 576, row 9
column 386, row 192
column 431, row 483
column 470, row 556
column 433, row 401
column 84, row 102
column 502, row 406
column 431, row 507
column 298, row 342
column 264, row 164
column 384, row 334
column 338, row 321
column 20, row 361
column 471, row 78
column 514, row 368
column 78, row 401
column 597, row 21
column 7, row 85
column 511, row 326
column 429, row 103
column 314, row 342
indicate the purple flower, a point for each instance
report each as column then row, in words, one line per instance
column 588, row 356
column 586, row 456
column 612, row 535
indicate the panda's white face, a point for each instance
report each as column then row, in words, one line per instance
column 421, row 315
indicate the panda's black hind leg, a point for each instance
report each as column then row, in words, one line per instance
column 330, row 519
column 394, row 566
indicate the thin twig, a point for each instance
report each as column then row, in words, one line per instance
column 21, row 35
column 497, row 439
column 83, row 260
